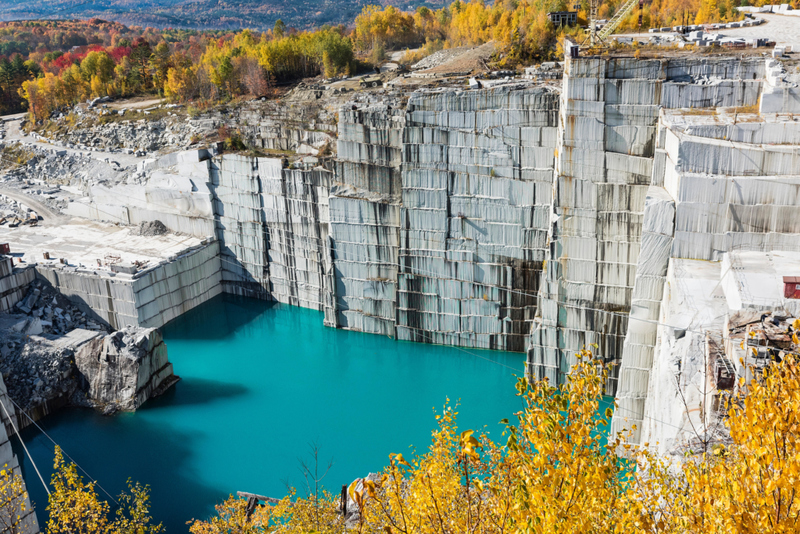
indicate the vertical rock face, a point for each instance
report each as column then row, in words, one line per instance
column 605, row 166
column 296, row 224
column 151, row 297
column 640, row 337
column 273, row 229
column 365, row 239
column 13, row 282
column 370, row 148
column 239, row 214
column 124, row 369
column 285, row 125
column 729, row 185
column 477, row 172
column 365, row 218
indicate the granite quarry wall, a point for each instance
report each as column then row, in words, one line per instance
column 522, row 217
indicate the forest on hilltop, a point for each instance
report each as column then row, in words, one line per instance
column 47, row 66
column 199, row 14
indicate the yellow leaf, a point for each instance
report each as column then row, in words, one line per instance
column 370, row 485
column 352, row 489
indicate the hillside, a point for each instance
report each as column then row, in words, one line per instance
column 199, row 14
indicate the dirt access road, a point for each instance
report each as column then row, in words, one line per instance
column 48, row 215
column 141, row 102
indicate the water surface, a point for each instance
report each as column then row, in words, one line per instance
column 260, row 383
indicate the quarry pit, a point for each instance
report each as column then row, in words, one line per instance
column 632, row 205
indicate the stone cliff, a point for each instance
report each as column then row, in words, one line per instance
column 539, row 217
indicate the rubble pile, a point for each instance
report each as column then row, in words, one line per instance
column 35, row 371
column 46, row 311
column 12, row 210
column 54, row 178
column 152, row 228
column 440, row 57
column 52, row 355
column 137, row 137
column 59, row 167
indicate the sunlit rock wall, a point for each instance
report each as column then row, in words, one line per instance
column 727, row 177
column 172, row 189
column 296, row 226
column 365, row 217
column 730, row 182
column 606, row 157
column 370, row 148
column 123, row 369
column 149, row 298
column 477, row 173
column 13, row 282
column 284, row 125
column 272, row 224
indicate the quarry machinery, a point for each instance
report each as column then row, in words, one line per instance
column 597, row 38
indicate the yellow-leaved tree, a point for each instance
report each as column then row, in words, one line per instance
column 75, row 508
column 13, row 497
column 557, row 473
column 749, row 486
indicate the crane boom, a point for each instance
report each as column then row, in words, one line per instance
column 618, row 17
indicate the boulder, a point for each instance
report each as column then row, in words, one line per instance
column 125, row 368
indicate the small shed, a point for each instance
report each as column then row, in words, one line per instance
column 791, row 287
column 563, row 18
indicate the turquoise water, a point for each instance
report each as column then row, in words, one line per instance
column 260, row 383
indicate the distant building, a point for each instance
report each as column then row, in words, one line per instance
column 563, row 18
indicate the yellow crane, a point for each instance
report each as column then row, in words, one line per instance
column 597, row 37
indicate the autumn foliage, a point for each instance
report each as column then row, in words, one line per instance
column 75, row 508
column 51, row 65
column 557, row 472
